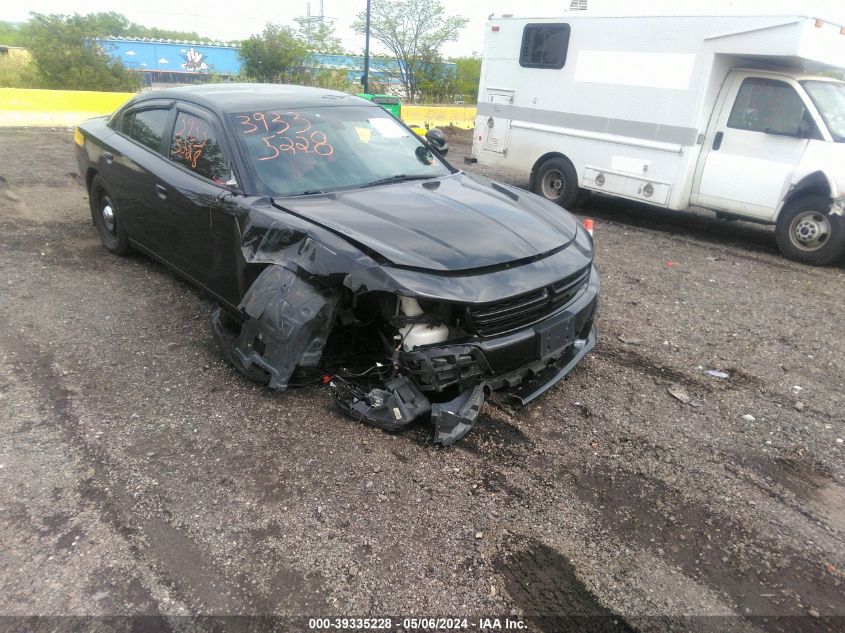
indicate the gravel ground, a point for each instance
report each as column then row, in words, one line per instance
column 140, row 475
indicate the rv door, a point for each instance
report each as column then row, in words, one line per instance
column 498, row 121
column 753, row 145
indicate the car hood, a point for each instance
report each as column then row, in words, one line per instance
column 458, row 222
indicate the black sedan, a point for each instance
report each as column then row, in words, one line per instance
column 339, row 247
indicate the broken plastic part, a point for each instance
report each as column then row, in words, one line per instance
column 454, row 419
column 290, row 319
column 392, row 407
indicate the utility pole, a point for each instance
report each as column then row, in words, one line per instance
column 365, row 80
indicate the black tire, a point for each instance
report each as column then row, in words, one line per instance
column 808, row 233
column 226, row 330
column 557, row 180
column 107, row 218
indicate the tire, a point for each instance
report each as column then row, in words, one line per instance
column 556, row 180
column 107, row 218
column 808, row 233
column 226, row 331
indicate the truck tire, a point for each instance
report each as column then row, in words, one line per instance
column 808, row 233
column 557, row 180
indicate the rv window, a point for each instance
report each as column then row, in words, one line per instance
column 544, row 45
column 769, row 106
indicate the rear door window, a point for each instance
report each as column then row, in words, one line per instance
column 195, row 146
column 148, row 127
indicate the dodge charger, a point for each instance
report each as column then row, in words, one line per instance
column 340, row 248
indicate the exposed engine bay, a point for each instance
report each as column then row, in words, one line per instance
column 418, row 334
column 390, row 359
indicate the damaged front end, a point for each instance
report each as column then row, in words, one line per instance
column 399, row 345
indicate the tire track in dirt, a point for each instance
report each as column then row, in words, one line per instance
column 173, row 558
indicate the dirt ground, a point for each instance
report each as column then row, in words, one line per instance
column 140, row 475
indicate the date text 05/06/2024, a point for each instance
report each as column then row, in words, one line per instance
column 419, row 623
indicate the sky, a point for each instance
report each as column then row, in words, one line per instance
column 217, row 19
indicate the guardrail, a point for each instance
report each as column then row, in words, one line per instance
column 66, row 108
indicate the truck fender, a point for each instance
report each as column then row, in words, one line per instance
column 818, row 182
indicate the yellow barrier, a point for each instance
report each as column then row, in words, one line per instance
column 59, row 108
column 66, row 108
column 439, row 116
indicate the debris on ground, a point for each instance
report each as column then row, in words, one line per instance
column 715, row 373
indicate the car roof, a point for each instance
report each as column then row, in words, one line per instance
column 239, row 97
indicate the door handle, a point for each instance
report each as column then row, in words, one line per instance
column 161, row 191
column 717, row 141
column 108, row 156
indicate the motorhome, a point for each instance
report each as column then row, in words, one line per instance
column 738, row 114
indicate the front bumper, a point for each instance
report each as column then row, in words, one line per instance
column 528, row 361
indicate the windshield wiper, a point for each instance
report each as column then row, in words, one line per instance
column 396, row 178
column 309, row 192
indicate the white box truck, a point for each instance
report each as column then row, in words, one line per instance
column 732, row 113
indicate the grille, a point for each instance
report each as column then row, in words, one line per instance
column 512, row 314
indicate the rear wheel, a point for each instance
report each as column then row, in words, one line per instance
column 807, row 232
column 107, row 218
column 557, row 180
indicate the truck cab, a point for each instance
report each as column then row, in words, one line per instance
column 774, row 151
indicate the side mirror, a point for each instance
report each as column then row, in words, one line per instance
column 437, row 140
column 424, row 155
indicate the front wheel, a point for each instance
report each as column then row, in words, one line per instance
column 557, row 180
column 807, row 232
column 226, row 331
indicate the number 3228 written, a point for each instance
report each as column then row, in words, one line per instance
column 315, row 143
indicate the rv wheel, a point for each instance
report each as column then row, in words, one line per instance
column 556, row 180
column 807, row 232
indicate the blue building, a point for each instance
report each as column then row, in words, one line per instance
column 172, row 62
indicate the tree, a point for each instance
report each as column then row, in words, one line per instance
column 278, row 55
column 105, row 24
column 319, row 36
column 467, row 77
column 413, row 31
column 67, row 57
column 11, row 34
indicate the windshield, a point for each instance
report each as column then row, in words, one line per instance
column 829, row 97
column 320, row 149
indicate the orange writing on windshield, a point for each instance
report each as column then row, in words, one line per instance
column 285, row 133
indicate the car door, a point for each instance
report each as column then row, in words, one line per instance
column 193, row 181
column 758, row 139
column 130, row 167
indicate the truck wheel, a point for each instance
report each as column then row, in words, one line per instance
column 556, row 180
column 808, row 233
column 106, row 218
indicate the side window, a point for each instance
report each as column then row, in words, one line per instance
column 148, row 126
column 768, row 105
column 125, row 122
column 194, row 145
column 544, row 45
